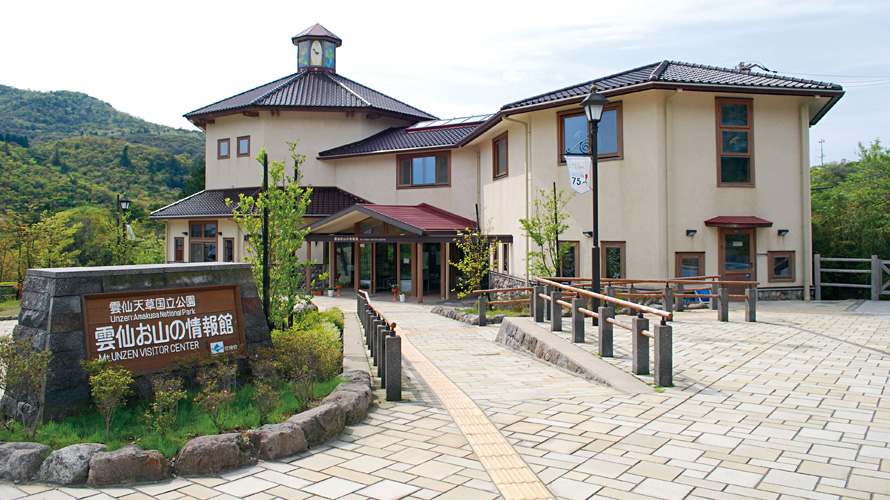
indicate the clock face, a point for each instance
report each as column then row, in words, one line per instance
column 315, row 53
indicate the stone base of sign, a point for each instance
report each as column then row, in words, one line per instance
column 202, row 455
column 52, row 318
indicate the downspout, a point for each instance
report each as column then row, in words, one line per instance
column 528, row 180
column 669, row 208
column 806, row 219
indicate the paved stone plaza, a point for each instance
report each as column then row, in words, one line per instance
column 794, row 406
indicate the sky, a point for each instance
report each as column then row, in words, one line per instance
column 159, row 60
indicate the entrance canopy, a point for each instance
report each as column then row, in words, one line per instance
column 738, row 221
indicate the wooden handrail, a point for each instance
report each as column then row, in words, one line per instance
column 497, row 290
column 392, row 325
column 606, row 298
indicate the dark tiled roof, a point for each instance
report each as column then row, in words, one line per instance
column 401, row 139
column 671, row 72
column 212, row 203
column 738, row 221
column 318, row 31
column 313, row 89
column 424, row 217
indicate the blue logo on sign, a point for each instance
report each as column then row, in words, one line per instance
column 216, row 347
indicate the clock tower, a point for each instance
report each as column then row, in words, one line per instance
column 317, row 49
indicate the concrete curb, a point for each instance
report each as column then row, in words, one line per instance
column 523, row 334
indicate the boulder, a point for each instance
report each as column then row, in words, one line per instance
column 357, row 377
column 21, row 461
column 321, row 423
column 206, row 455
column 274, row 441
column 130, row 464
column 69, row 465
column 353, row 404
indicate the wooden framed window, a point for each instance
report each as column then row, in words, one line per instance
column 609, row 137
column 424, row 170
column 244, row 146
column 568, row 267
column 222, row 149
column 202, row 241
column 178, row 249
column 505, row 258
column 735, row 142
column 781, row 266
column 689, row 264
column 499, row 156
column 613, row 259
column 228, row 250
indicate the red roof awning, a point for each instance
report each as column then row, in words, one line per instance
column 738, row 221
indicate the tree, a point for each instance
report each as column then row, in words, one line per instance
column 124, row 159
column 544, row 226
column 477, row 247
column 287, row 203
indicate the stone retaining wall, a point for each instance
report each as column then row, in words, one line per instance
column 90, row 463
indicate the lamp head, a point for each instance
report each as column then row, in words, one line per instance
column 593, row 105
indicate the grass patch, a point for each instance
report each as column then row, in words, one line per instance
column 10, row 307
column 506, row 312
column 129, row 428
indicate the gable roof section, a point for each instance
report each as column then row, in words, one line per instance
column 420, row 219
column 673, row 75
column 212, row 203
column 401, row 139
column 308, row 90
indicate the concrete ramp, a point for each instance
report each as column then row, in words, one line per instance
column 523, row 334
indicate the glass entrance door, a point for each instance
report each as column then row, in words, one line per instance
column 385, row 267
column 432, row 268
column 737, row 257
column 405, row 263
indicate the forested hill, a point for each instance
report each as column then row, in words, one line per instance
column 61, row 150
column 46, row 116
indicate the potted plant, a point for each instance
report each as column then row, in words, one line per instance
column 395, row 292
column 330, row 291
column 341, row 282
column 402, row 297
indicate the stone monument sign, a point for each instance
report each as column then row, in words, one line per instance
column 141, row 317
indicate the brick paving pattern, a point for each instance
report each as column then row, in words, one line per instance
column 794, row 406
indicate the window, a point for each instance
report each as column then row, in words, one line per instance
column 222, row 149
column 228, row 250
column 573, row 133
column 569, row 266
column 781, row 266
column 202, row 242
column 613, row 259
column 424, row 170
column 499, row 156
column 689, row 264
column 505, row 258
column 178, row 248
column 735, row 145
column 244, row 146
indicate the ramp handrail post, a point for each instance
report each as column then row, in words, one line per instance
column 723, row 308
column 539, row 303
column 578, row 320
column 680, row 301
column 640, row 346
column 751, row 304
column 668, row 301
column 482, row 305
column 376, row 324
column 605, row 332
column 817, row 276
column 556, row 311
column 663, row 351
column 715, row 291
column 548, row 306
column 393, row 362
column 381, row 356
column 877, row 282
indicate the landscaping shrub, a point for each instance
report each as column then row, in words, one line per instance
column 161, row 413
column 313, row 343
column 217, row 389
column 109, row 385
column 23, row 371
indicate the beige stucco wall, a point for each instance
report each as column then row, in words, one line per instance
column 226, row 228
column 665, row 183
column 316, row 131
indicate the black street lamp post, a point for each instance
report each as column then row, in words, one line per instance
column 123, row 205
column 593, row 106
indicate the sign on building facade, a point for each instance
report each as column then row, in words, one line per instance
column 147, row 331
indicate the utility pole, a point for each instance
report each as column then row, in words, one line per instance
column 822, row 152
